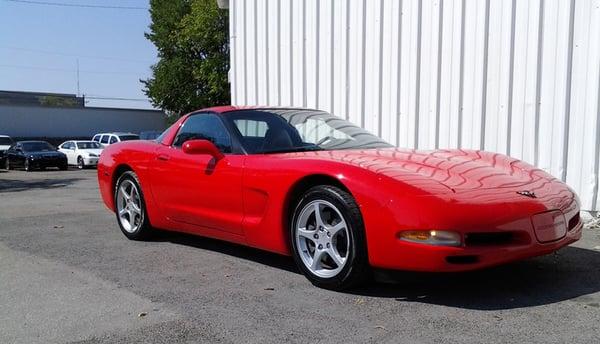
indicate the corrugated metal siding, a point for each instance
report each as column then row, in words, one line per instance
column 510, row 76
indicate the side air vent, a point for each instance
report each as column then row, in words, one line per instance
column 574, row 221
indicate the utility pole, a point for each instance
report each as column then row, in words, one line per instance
column 78, row 78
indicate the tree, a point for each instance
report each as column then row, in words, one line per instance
column 56, row 101
column 191, row 37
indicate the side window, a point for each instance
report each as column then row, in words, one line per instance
column 251, row 128
column 253, row 133
column 204, row 127
column 113, row 139
column 104, row 139
column 96, row 138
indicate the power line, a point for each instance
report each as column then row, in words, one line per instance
column 117, row 98
column 62, row 4
column 66, row 70
column 75, row 55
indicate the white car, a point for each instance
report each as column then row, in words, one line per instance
column 5, row 143
column 106, row 139
column 81, row 153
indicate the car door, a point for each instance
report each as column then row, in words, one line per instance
column 16, row 156
column 197, row 189
column 68, row 148
column 104, row 140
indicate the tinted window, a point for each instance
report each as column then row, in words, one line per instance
column 67, row 145
column 113, row 139
column 104, row 139
column 36, row 146
column 294, row 130
column 128, row 137
column 204, row 127
column 5, row 141
column 96, row 138
column 88, row 145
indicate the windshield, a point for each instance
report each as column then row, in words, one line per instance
column 5, row 141
column 128, row 137
column 40, row 146
column 296, row 130
column 88, row 145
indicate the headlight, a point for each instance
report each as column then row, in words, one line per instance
column 431, row 237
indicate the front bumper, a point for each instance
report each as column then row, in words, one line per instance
column 420, row 257
column 494, row 230
column 91, row 161
column 46, row 162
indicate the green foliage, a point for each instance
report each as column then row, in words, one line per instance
column 54, row 101
column 193, row 46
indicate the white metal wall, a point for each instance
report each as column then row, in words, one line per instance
column 519, row 77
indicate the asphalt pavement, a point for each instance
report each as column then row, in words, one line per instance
column 67, row 274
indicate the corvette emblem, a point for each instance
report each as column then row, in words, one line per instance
column 527, row 193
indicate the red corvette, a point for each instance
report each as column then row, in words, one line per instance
column 338, row 199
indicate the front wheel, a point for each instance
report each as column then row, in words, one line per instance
column 27, row 165
column 328, row 240
column 131, row 208
column 7, row 164
column 80, row 163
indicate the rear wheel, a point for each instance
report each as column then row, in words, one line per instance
column 131, row 208
column 328, row 242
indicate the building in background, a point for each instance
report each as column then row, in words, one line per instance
column 55, row 116
column 515, row 77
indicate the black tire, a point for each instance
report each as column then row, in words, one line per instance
column 145, row 230
column 64, row 167
column 80, row 163
column 27, row 165
column 356, row 270
column 7, row 164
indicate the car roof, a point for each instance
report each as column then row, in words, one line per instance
column 228, row 108
column 4, row 136
column 82, row 141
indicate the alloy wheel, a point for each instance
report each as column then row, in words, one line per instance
column 129, row 206
column 322, row 238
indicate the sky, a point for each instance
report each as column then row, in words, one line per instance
column 40, row 45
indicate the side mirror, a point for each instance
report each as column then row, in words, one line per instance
column 202, row 147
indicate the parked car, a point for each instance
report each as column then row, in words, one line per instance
column 32, row 155
column 81, row 153
column 5, row 143
column 150, row 135
column 337, row 198
column 106, row 139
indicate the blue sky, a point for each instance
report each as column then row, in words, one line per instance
column 40, row 45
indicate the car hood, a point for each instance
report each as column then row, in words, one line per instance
column 456, row 169
column 45, row 154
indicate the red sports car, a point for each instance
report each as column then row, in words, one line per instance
column 338, row 199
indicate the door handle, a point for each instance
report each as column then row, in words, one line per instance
column 162, row 157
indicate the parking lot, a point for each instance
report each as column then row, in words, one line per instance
column 67, row 274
